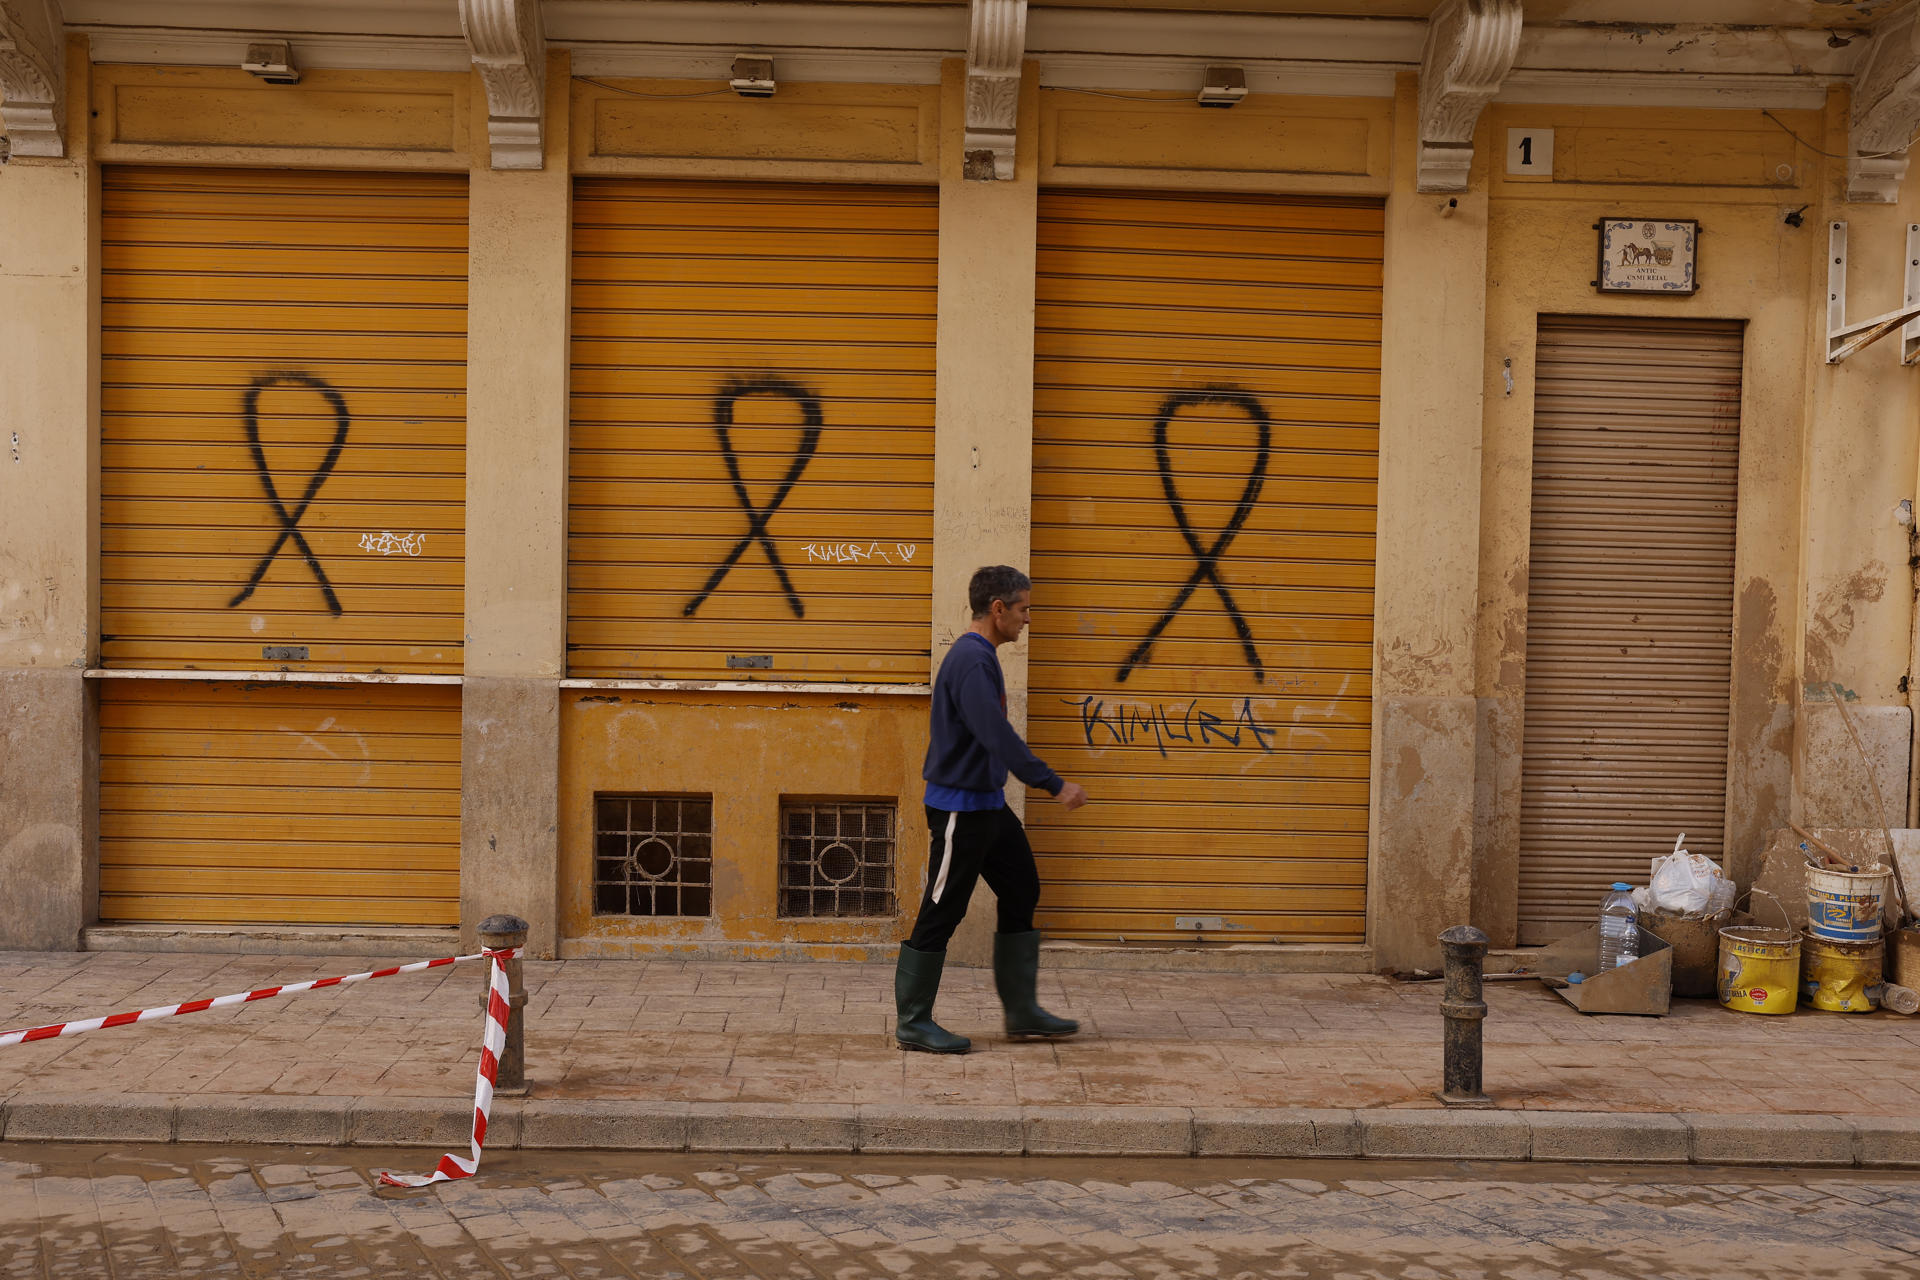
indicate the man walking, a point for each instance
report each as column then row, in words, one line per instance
column 973, row 833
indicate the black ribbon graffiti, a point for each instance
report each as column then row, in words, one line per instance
column 290, row 520
column 1207, row 559
column 758, row 517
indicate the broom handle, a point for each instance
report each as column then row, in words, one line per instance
column 1825, row 848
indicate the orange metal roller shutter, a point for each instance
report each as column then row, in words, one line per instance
column 283, row 365
column 752, row 450
column 1205, row 456
column 1636, row 453
column 282, row 486
column 288, row 804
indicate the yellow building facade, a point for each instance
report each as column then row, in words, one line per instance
column 503, row 458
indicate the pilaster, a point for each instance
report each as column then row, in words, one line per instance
column 1859, row 463
column 49, row 532
column 1426, row 560
column 519, row 253
column 983, row 401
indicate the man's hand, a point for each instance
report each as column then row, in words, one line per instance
column 1072, row 796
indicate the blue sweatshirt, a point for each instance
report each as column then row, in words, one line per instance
column 971, row 746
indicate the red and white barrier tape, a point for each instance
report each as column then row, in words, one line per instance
column 25, row 1034
column 493, row 1042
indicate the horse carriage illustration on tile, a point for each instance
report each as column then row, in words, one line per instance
column 1647, row 256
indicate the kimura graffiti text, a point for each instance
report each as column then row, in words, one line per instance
column 1170, row 724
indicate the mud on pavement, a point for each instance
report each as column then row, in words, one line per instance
column 132, row 1213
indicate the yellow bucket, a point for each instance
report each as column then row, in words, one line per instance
column 1759, row 969
column 1843, row 977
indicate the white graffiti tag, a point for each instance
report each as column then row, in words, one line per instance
column 859, row 552
column 394, row 544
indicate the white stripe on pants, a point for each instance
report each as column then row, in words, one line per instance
column 946, row 858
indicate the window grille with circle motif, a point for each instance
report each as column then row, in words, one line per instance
column 653, row 855
column 836, row 858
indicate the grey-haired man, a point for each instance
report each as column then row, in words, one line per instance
column 971, row 747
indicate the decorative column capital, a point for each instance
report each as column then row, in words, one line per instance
column 1471, row 45
column 509, row 50
column 995, row 46
column 1886, row 111
column 32, row 78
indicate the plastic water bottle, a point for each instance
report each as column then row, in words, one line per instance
column 1619, row 928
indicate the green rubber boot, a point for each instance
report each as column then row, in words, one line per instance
column 1016, row 972
column 915, row 983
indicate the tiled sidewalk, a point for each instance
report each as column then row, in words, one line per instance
column 689, row 1031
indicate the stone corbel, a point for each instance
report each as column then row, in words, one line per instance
column 1886, row 111
column 1470, row 48
column 509, row 50
column 995, row 46
column 32, row 78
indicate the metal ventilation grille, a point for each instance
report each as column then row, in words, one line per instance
column 836, row 859
column 653, row 855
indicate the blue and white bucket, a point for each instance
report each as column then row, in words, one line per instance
column 1846, row 906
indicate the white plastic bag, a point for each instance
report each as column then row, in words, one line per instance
column 1688, row 884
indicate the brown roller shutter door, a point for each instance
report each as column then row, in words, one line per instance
column 1629, row 606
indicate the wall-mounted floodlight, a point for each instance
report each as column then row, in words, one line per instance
column 752, row 76
column 1222, row 86
column 272, row 62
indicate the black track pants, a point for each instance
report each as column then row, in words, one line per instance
column 962, row 847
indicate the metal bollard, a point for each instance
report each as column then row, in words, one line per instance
column 1465, row 949
column 497, row 932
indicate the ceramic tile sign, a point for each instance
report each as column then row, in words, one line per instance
column 1647, row 255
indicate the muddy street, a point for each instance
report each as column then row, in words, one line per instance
column 132, row 1213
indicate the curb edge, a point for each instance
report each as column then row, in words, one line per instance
column 906, row 1128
